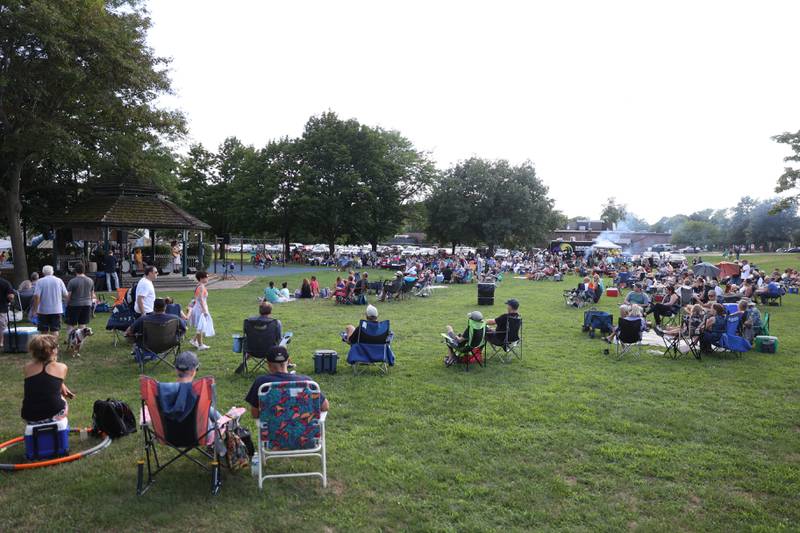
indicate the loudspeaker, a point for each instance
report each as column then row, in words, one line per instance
column 485, row 293
column 226, row 238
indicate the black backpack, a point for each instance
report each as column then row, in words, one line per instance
column 130, row 296
column 113, row 417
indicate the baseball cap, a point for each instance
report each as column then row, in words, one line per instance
column 398, row 273
column 476, row 316
column 278, row 354
column 187, row 361
column 512, row 303
column 372, row 311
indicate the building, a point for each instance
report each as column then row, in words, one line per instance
column 633, row 242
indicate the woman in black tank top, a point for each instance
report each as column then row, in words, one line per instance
column 45, row 392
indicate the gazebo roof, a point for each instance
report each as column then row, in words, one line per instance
column 126, row 206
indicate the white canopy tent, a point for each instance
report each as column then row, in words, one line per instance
column 605, row 244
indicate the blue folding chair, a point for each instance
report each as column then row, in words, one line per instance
column 730, row 341
column 372, row 346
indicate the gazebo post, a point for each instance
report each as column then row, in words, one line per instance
column 153, row 246
column 184, row 253
column 200, row 251
column 55, row 248
column 106, row 232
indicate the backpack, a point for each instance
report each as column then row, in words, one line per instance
column 113, row 417
column 130, row 296
column 239, row 446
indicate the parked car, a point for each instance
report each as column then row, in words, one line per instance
column 689, row 250
column 795, row 250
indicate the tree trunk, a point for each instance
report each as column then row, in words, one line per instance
column 13, row 210
column 454, row 249
column 332, row 248
column 374, row 245
column 286, row 250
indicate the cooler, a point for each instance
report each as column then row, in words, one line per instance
column 612, row 292
column 325, row 361
column 237, row 342
column 766, row 344
column 486, row 293
column 44, row 441
column 16, row 340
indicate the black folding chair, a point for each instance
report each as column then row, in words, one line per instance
column 511, row 343
column 259, row 338
column 628, row 338
column 159, row 341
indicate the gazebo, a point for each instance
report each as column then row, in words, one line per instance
column 112, row 210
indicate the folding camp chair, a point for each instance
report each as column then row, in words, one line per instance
column 671, row 343
column 471, row 349
column 628, row 337
column 372, row 346
column 259, row 338
column 730, row 341
column 511, row 344
column 291, row 425
column 194, row 432
column 159, row 340
column 119, row 321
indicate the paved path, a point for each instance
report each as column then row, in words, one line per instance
column 274, row 271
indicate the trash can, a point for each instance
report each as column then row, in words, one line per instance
column 325, row 361
column 485, row 293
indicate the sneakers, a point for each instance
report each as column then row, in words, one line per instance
column 194, row 343
column 203, row 347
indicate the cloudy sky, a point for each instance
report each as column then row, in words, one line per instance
column 668, row 106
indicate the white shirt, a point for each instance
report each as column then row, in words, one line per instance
column 746, row 271
column 51, row 292
column 146, row 291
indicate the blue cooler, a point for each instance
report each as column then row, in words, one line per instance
column 48, row 440
column 325, row 361
column 237, row 343
column 16, row 340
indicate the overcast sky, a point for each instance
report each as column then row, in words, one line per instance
column 668, row 106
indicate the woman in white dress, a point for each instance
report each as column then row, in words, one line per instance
column 200, row 318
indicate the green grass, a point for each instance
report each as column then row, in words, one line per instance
column 565, row 439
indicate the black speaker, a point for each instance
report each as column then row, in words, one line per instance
column 485, row 293
column 226, row 238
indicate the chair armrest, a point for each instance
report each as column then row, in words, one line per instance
column 390, row 337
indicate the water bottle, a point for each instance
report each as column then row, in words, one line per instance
column 254, row 465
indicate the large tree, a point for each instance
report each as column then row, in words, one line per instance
column 356, row 180
column 76, row 80
column 612, row 211
column 788, row 181
column 491, row 203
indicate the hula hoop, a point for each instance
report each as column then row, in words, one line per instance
column 50, row 462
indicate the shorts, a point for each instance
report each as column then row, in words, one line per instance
column 78, row 315
column 48, row 323
column 3, row 322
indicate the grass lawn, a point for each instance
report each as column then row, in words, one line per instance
column 566, row 439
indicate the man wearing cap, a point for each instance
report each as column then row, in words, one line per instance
column 159, row 316
column 636, row 296
column 500, row 323
column 460, row 340
column 350, row 330
column 277, row 359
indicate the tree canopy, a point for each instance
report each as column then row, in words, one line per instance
column 78, row 90
column 492, row 203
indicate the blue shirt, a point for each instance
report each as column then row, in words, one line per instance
column 252, row 395
column 272, row 295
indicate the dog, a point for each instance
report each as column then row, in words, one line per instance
column 76, row 339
